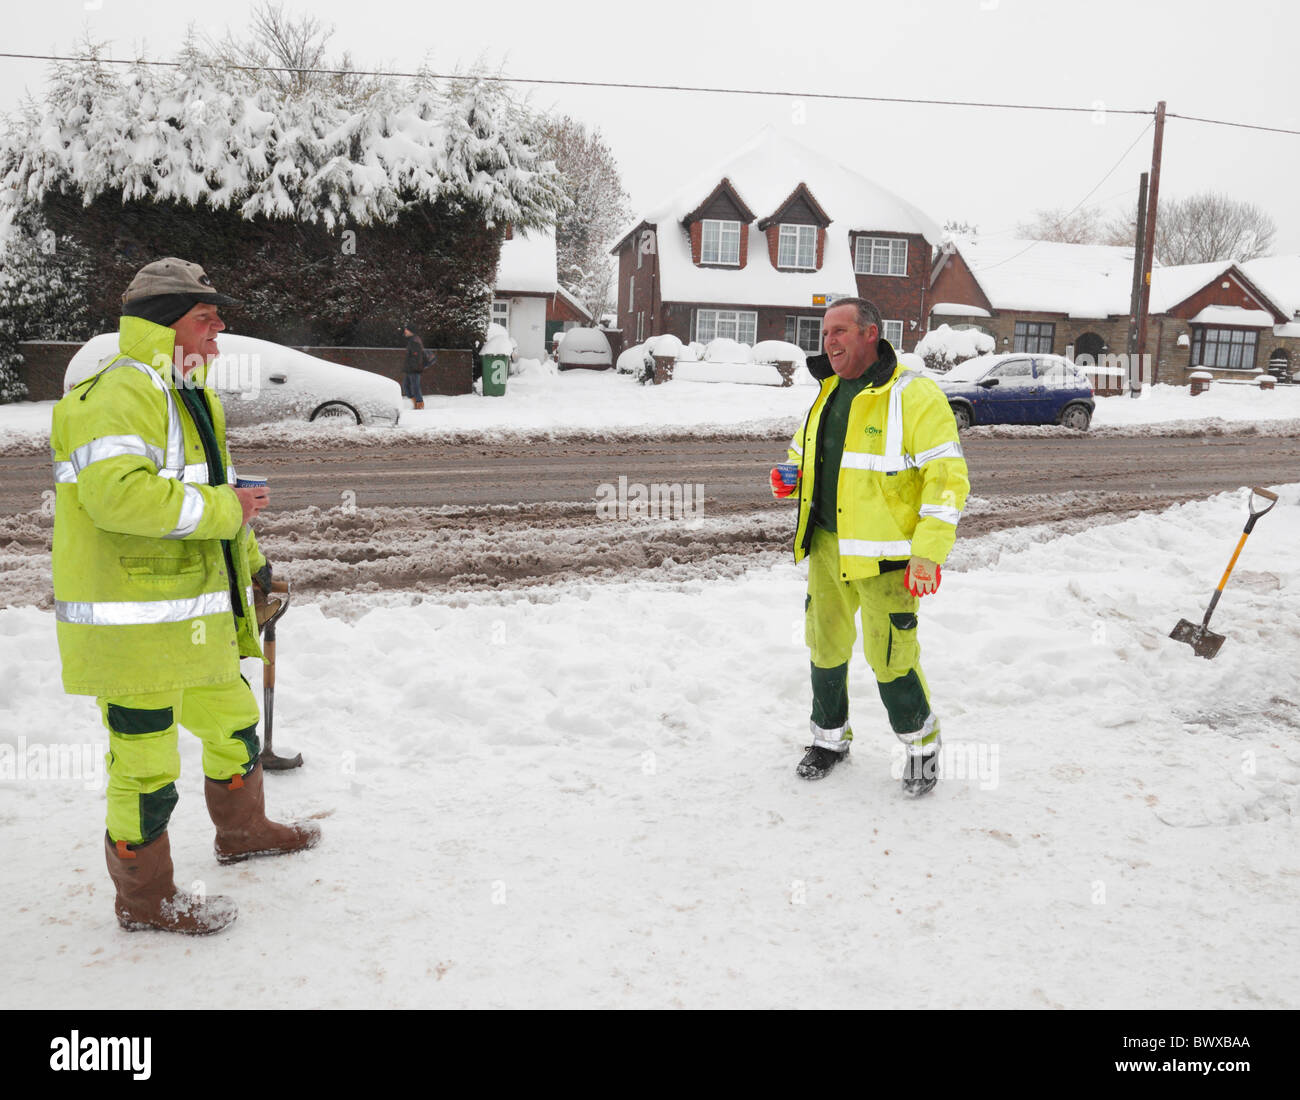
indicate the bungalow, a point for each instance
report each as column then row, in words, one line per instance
column 1074, row 300
column 755, row 248
column 528, row 301
column 1279, row 276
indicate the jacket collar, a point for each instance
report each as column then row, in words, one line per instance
column 878, row 374
column 154, row 346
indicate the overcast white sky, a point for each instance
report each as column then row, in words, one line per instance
column 991, row 167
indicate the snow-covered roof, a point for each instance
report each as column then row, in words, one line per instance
column 763, row 173
column 1080, row 280
column 1233, row 315
column 948, row 309
column 527, row 264
column 1172, row 285
column 1279, row 278
column 574, row 302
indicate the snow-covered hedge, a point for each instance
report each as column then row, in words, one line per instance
column 208, row 136
column 723, row 350
column 944, row 347
column 334, row 222
column 778, row 351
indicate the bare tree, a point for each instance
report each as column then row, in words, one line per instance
column 1211, row 226
column 1068, row 227
column 280, row 41
column 586, row 231
column 1202, row 228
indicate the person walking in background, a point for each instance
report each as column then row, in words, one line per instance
column 154, row 562
column 413, row 367
column 881, row 483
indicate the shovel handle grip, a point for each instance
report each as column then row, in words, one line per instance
column 1255, row 514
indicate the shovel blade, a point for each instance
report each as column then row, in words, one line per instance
column 273, row 762
column 1205, row 643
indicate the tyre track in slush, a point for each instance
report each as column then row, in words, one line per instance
column 428, row 517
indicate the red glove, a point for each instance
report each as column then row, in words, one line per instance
column 922, row 576
column 780, row 489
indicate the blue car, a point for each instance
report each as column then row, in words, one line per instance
column 1018, row 388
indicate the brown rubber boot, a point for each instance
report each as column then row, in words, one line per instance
column 238, row 809
column 147, row 897
column 419, row 404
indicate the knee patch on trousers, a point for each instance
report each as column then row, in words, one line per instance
column 906, row 702
column 134, row 720
column 251, row 743
column 156, row 811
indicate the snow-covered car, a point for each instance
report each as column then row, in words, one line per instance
column 584, row 347
column 1019, row 388
column 260, row 381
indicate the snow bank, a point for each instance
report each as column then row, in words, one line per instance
column 624, row 827
column 605, row 404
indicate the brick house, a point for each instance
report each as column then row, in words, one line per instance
column 1074, row 300
column 751, row 249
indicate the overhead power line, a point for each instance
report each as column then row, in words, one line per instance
column 1113, row 169
column 696, row 88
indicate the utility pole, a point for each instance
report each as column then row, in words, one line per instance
column 1135, row 298
column 1149, row 245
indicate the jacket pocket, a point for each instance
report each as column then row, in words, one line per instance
column 904, row 652
column 146, row 569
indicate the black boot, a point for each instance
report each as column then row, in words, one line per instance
column 921, row 771
column 818, row 762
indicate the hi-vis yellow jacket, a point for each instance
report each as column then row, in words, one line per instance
column 903, row 480
column 142, row 594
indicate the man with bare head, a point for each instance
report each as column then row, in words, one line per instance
column 882, row 481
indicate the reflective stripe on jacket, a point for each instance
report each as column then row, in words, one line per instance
column 142, row 595
column 902, row 482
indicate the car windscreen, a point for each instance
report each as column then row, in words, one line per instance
column 970, row 371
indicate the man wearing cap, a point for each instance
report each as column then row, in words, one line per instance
column 153, row 569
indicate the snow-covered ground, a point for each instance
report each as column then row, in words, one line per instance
column 585, row 796
column 543, row 401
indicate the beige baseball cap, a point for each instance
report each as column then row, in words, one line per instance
column 174, row 276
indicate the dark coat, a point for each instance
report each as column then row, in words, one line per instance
column 414, row 355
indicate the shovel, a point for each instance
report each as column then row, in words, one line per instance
column 271, row 761
column 1204, row 642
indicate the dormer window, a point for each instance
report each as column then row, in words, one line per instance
column 797, row 247
column 720, row 243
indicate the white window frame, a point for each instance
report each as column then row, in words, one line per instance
column 710, row 323
column 792, row 241
column 503, row 305
column 800, row 324
column 880, row 256
column 721, row 232
column 893, row 332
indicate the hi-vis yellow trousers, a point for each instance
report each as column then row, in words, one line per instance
column 888, row 642
column 144, row 761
